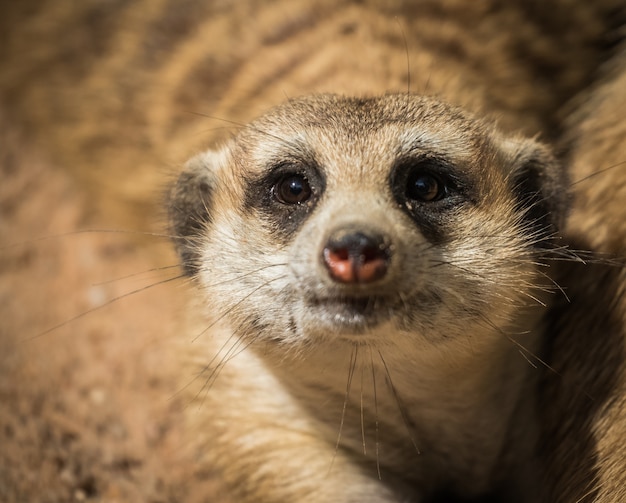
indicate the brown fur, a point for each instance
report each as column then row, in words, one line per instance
column 585, row 402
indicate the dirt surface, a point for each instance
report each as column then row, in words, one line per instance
column 88, row 410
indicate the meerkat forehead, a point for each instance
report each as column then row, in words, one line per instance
column 334, row 130
column 367, row 146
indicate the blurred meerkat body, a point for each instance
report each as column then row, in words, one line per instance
column 584, row 426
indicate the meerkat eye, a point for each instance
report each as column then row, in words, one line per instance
column 292, row 189
column 424, row 186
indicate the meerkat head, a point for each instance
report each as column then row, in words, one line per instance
column 367, row 219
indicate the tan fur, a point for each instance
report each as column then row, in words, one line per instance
column 107, row 96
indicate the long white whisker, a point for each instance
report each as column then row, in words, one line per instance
column 377, row 438
column 85, row 231
column 351, row 368
column 405, row 417
column 136, row 274
column 237, row 304
column 101, row 306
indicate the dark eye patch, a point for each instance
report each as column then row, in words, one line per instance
column 285, row 195
column 427, row 189
column 425, row 180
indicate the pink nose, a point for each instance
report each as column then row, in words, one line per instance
column 356, row 257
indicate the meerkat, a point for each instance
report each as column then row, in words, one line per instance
column 112, row 93
column 374, row 268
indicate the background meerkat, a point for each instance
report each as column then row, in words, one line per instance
column 586, row 416
column 94, row 97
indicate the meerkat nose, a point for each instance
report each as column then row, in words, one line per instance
column 356, row 257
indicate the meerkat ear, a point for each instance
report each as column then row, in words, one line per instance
column 189, row 207
column 540, row 184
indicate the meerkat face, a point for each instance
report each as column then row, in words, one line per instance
column 367, row 219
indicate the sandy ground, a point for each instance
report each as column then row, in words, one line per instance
column 88, row 410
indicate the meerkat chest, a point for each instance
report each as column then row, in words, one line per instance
column 430, row 425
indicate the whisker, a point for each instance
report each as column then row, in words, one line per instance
column 402, row 409
column 532, row 364
column 225, row 356
column 249, row 273
column 237, row 304
column 241, row 126
column 101, row 306
column 377, row 438
column 351, row 368
column 528, row 354
column 406, row 51
column 556, row 285
column 592, row 488
column 532, row 297
column 52, row 237
column 215, row 372
column 205, row 368
column 249, row 342
column 136, row 274
column 604, row 170
column 361, row 414
column 216, row 118
column 484, row 278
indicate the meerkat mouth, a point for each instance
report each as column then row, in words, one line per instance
column 352, row 313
